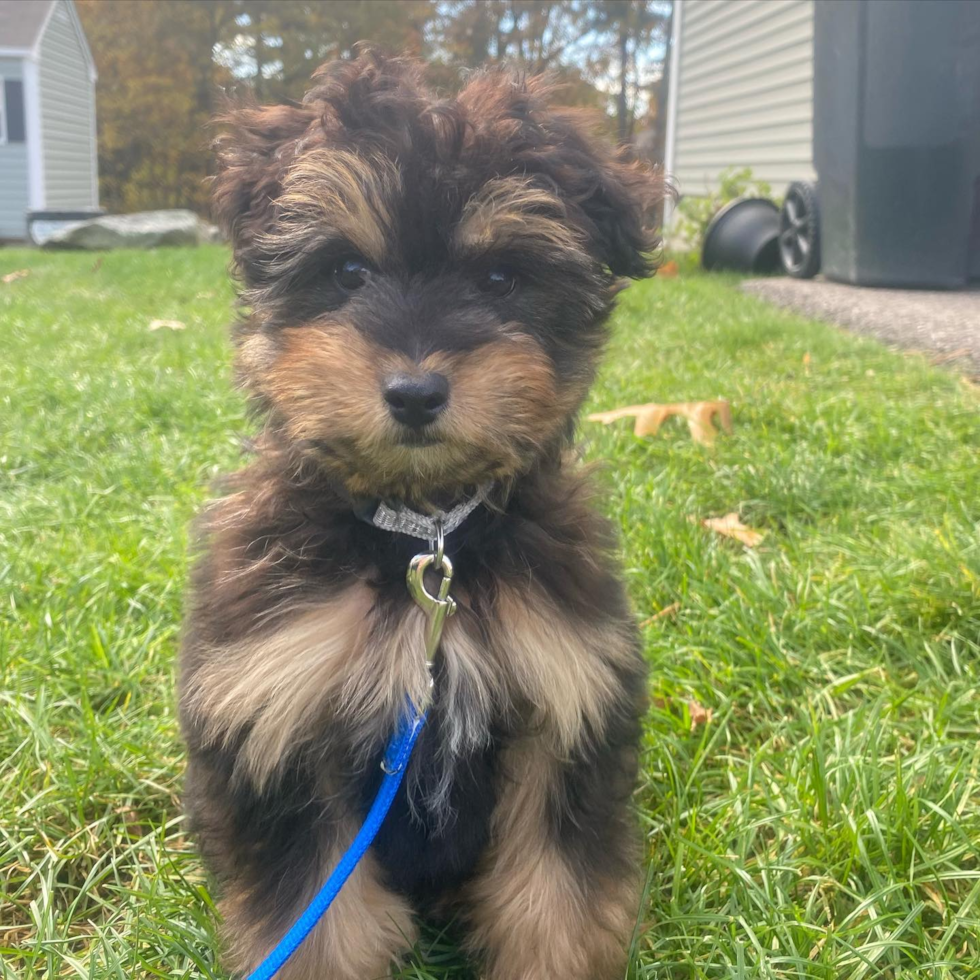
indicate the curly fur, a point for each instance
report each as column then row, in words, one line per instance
column 301, row 640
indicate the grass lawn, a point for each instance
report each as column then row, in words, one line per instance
column 824, row 822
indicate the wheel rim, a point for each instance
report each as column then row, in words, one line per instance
column 795, row 232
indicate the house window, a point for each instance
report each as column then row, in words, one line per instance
column 11, row 110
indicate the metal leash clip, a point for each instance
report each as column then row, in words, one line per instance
column 436, row 607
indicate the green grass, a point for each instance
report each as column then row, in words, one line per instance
column 824, row 823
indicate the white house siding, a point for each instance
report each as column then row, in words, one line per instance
column 14, row 193
column 67, row 117
column 744, row 92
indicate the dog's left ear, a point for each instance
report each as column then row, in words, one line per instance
column 619, row 197
column 615, row 199
column 625, row 209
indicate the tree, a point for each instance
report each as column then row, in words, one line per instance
column 536, row 35
column 154, row 97
column 166, row 66
column 627, row 31
column 533, row 33
column 276, row 45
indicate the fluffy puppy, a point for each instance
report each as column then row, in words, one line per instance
column 425, row 285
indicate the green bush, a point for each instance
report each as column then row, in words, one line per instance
column 694, row 214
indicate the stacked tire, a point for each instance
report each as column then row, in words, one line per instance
column 799, row 230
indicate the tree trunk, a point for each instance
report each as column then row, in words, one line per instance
column 257, row 48
column 663, row 91
column 622, row 102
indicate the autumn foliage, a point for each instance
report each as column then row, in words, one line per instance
column 166, row 66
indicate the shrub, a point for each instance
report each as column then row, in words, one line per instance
column 694, row 214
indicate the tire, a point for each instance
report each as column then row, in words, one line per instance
column 799, row 230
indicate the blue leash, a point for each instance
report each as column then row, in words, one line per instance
column 436, row 608
column 396, row 758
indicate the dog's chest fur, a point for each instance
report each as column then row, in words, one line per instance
column 439, row 823
column 300, row 653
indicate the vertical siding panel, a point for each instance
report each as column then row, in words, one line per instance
column 745, row 92
column 67, row 110
column 14, row 195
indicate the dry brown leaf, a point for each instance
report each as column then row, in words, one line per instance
column 700, row 715
column 668, row 270
column 952, row 355
column 700, row 418
column 662, row 614
column 15, row 935
column 697, row 712
column 935, row 898
column 731, row 527
column 168, row 324
column 132, row 821
column 15, row 275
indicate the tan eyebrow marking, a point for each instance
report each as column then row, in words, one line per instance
column 514, row 211
column 349, row 194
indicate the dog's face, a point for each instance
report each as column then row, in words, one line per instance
column 427, row 280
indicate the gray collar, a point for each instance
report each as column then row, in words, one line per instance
column 404, row 520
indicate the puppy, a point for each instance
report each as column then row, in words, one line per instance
column 425, row 286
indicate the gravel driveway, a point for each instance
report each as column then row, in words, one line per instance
column 942, row 323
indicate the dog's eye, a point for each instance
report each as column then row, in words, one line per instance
column 351, row 274
column 499, row 281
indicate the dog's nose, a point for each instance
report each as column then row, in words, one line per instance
column 416, row 400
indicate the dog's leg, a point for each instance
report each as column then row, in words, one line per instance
column 363, row 931
column 558, row 893
column 271, row 853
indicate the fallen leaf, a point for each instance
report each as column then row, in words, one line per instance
column 700, row 418
column 806, row 363
column 818, row 945
column 731, row 527
column 132, row 821
column 662, row 614
column 935, row 898
column 952, row 355
column 15, row 935
column 700, row 715
column 169, row 324
column 14, row 276
column 696, row 712
column 668, row 270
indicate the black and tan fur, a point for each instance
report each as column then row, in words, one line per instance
column 302, row 641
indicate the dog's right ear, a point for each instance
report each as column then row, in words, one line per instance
column 253, row 151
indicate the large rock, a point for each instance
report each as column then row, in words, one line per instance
column 145, row 229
